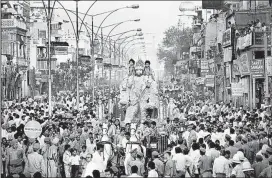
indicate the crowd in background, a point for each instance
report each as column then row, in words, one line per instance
column 202, row 140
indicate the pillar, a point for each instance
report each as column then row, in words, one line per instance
column 250, row 98
column 254, row 93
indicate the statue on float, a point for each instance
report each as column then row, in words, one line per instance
column 139, row 91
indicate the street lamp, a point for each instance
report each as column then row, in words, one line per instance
column 141, row 38
column 127, row 37
column 135, row 6
column 123, row 54
column 136, row 20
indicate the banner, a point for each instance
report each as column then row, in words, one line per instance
column 244, row 64
column 227, row 38
column 200, row 81
column 209, row 81
column 227, row 54
column 257, row 67
column 204, row 66
column 60, row 50
column 268, row 64
column 243, row 42
column 237, row 89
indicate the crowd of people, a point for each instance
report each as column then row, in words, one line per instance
column 203, row 140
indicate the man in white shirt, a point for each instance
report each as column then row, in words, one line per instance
column 181, row 163
column 134, row 170
column 98, row 158
column 152, row 172
column 90, row 144
column 221, row 166
column 125, row 140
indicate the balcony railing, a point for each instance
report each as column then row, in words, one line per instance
column 13, row 23
column 255, row 39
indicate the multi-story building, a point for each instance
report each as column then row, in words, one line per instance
column 247, row 67
column 234, row 52
column 15, row 48
column 39, row 46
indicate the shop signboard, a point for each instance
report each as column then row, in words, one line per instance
column 209, row 81
column 227, row 54
column 257, row 67
column 60, row 50
column 244, row 64
column 85, row 60
column 200, row 80
column 204, row 66
column 237, row 89
column 227, row 38
column 268, row 64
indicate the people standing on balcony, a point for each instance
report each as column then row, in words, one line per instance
column 264, row 27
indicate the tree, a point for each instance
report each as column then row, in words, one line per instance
column 173, row 43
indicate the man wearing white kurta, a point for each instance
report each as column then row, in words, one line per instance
column 99, row 160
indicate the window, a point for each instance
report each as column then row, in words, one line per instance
column 56, row 26
column 42, row 34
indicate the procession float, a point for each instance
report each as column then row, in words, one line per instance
column 139, row 92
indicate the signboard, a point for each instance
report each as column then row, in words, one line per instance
column 237, row 89
column 209, row 81
column 33, row 129
column 227, row 54
column 268, row 64
column 200, row 81
column 60, row 50
column 99, row 60
column 85, row 60
column 244, row 64
column 244, row 41
column 204, row 65
column 227, row 37
column 257, row 67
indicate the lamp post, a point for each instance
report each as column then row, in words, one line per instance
column 77, row 39
column 136, row 20
column 136, row 6
column 119, row 48
column 110, row 13
column 130, row 47
column 49, row 58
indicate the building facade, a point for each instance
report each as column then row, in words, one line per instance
column 230, row 53
column 15, row 49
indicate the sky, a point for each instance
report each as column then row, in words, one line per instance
column 156, row 17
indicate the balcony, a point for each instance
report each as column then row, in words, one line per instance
column 41, row 43
column 13, row 23
column 253, row 40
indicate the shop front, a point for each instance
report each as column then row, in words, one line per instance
column 258, row 79
column 242, row 64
